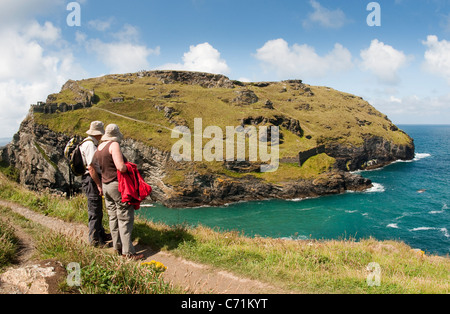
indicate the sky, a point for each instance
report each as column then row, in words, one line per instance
column 395, row 54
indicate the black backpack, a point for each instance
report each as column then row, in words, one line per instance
column 73, row 154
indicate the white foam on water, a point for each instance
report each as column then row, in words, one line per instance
column 297, row 237
column 420, row 156
column 423, row 229
column 395, row 226
column 376, row 188
column 443, row 209
column 298, row 199
column 443, row 230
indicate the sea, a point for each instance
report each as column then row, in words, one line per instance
column 4, row 141
column 409, row 202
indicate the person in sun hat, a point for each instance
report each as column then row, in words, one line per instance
column 91, row 186
column 108, row 160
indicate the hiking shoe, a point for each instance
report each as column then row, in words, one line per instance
column 99, row 244
column 107, row 237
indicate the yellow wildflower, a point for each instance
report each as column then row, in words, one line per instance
column 156, row 265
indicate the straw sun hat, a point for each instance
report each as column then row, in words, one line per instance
column 97, row 128
column 112, row 133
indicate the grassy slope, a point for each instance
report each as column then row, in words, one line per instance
column 327, row 115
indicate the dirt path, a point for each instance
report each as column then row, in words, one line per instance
column 193, row 277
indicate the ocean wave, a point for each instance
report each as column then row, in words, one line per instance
column 434, row 212
column 376, row 188
column 295, row 237
column 443, row 230
column 443, row 209
column 420, row 156
column 298, row 199
column 423, row 229
column 395, row 226
column 417, row 157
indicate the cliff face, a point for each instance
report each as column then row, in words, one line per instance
column 375, row 152
column 349, row 135
column 36, row 153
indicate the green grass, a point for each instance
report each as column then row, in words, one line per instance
column 8, row 244
column 321, row 266
column 102, row 272
column 305, row 266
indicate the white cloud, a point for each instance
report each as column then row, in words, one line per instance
column 302, row 61
column 34, row 62
column 128, row 33
column 414, row 108
column 123, row 55
column 325, row 17
column 202, row 58
column 437, row 57
column 19, row 11
column 383, row 61
column 47, row 33
column 101, row 25
column 244, row 79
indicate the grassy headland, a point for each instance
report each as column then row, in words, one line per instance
column 151, row 108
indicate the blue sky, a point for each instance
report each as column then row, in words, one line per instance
column 402, row 67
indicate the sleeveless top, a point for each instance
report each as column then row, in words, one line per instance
column 106, row 164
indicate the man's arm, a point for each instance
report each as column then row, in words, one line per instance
column 96, row 178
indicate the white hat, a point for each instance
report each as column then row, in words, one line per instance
column 112, row 133
column 97, row 128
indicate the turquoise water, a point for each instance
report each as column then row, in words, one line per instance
column 409, row 202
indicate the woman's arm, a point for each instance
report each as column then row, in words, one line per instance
column 117, row 157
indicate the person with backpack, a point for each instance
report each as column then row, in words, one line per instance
column 92, row 185
column 109, row 161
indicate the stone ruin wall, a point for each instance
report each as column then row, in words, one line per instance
column 41, row 107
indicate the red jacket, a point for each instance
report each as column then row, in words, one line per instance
column 132, row 187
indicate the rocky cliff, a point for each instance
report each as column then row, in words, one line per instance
column 362, row 140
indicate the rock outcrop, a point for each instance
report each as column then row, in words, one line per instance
column 374, row 153
column 206, row 80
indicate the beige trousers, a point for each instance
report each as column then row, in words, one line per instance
column 121, row 218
